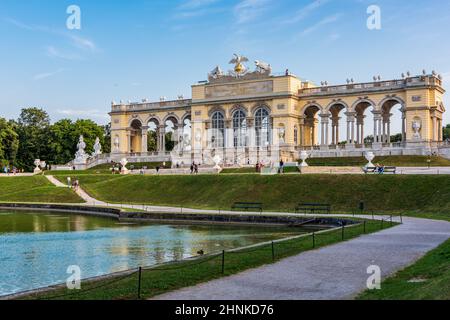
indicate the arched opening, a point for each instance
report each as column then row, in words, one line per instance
column 153, row 144
column 310, row 135
column 136, row 136
column 393, row 122
column 170, row 133
column 262, row 127
column 364, row 123
column 239, row 129
column 218, row 130
column 338, row 121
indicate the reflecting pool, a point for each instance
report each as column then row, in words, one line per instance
column 36, row 248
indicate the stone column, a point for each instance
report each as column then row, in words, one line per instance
column 144, row 146
column 350, row 128
column 389, row 131
column 128, row 143
column 403, row 127
column 435, row 126
column 162, row 138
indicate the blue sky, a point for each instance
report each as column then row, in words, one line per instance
column 138, row 49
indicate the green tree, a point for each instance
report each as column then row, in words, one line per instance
column 446, row 134
column 9, row 142
column 33, row 130
column 107, row 138
column 62, row 142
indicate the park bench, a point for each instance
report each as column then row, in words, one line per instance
column 368, row 170
column 312, row 208
column 247, row 206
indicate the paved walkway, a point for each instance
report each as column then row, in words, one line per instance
column 335, row 272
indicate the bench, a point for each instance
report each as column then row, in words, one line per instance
column 368, row 170
column 313, row 208
column 247, row 206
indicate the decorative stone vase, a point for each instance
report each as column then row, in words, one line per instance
column 303, row 156
column 37, row 163
column 217, row 160
column 369, row 157
column 124, row 163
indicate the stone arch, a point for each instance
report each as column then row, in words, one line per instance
column 153, row 118
column 261, row 105
column 216, row 109
column 310, row 127
column 134, row 120
column 395, row 99
column 238, row 107
column 365, row 101
column 335, row 103
column 171, row 117
column 384, row 127
column 186, row 116
column 135, row 135
column 310, row 106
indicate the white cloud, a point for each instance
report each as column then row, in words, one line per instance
column 193, row 4
column 81, row 113
column 249, row 10
column 83, row 43
column 56, row 53
column 305, row 11
column 45, row 75
column 323, row 22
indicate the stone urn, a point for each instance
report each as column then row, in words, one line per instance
column 369, row 157
column 37, row 163
column 217, row 160
column 303, row 156
column 124, row 163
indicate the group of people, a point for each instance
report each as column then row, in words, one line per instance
column 8, row 170
column 379, row 168
column 194, row 168
column 73, row 184
column 260, row 166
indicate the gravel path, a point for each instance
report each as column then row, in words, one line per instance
column 335, row 272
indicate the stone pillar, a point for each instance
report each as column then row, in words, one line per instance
column 144, row 146
column 435, row 126
column 350, row 128
column 162, row 138
column 389, row 131
column 128, row 143
column 403, row 127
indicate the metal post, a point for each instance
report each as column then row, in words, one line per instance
column 391, row 220
column 382, row 220
column 364, row 223
column 139, row 282
column 343, row 228
column 273, row 252
column 314, row 239
column 401, row 218
column 223, row 262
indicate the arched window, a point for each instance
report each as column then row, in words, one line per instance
column 239, row 129
column 262, row 127
column 218, row 130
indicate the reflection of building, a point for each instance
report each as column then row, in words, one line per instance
column 248, row 115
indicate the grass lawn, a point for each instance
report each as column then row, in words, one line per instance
column 183, row 274
column 246, row 170
column 34, row 189
column 413, row 194
column 395, row 161
column 428, row 279
column 105, row 168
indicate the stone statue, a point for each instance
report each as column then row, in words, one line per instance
column 238, row 62
column 80, row 155
column 116, row 144
column 263, row 67
column 97, row 148
column 216, row 73
column 416, row 126
column 369, row 155
column 304, row 156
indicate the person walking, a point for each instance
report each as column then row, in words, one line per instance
column 192, row 167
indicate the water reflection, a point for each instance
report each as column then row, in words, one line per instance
column 36, row 248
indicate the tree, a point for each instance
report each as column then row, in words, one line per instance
column 107, row 138
column 446, row 134
column 62, row 143
column 32, row 129
column 9, row 142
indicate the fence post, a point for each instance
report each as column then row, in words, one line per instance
column 273, row 252
column 401, row 218
column 223, row 262
column 382, row 220
column 314, row 239
column 343, row 228
column 364, row 223
column 139, row 282
column 391, row 220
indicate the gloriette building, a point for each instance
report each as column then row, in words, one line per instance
column 247, row 116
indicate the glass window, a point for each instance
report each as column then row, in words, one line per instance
column 262, row 127
column 218, row 130
column 240, row 129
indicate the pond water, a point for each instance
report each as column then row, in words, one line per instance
column 36, row 248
